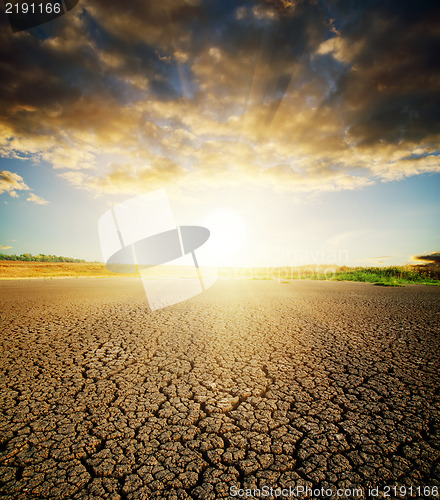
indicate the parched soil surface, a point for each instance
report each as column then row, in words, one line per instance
column 249, row 385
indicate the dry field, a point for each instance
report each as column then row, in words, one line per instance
column 252, row 384
column 20, row 269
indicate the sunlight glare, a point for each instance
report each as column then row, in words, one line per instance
column 228, row 232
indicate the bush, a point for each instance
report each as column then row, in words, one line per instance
column 27, row 257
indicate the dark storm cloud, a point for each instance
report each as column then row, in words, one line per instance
column 431, row 258
column 392, row 92
column 338, row 93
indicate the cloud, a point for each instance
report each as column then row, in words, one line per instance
column 429, row 259
column 344, row 239
column 36, row 199
column 131, row 178
column 387, row 95
column 380, row 260
column 11, row 183
column 277, row 93
column 4, row 247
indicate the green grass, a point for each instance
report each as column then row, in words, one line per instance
column 387, row 276
column 381, row 276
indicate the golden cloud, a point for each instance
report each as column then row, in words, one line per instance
column 11, row 183
column 33, row 198
column 121, row 99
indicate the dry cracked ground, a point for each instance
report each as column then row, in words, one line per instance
column 250, row 384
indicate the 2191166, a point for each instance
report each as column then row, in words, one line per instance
column 33, row 8
column 409, row 491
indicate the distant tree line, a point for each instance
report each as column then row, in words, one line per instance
column 27, row 257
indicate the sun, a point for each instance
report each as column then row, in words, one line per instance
column 228, row 233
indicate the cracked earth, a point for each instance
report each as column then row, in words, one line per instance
column 252, row 383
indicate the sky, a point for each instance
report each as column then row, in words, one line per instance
column 297, row 131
